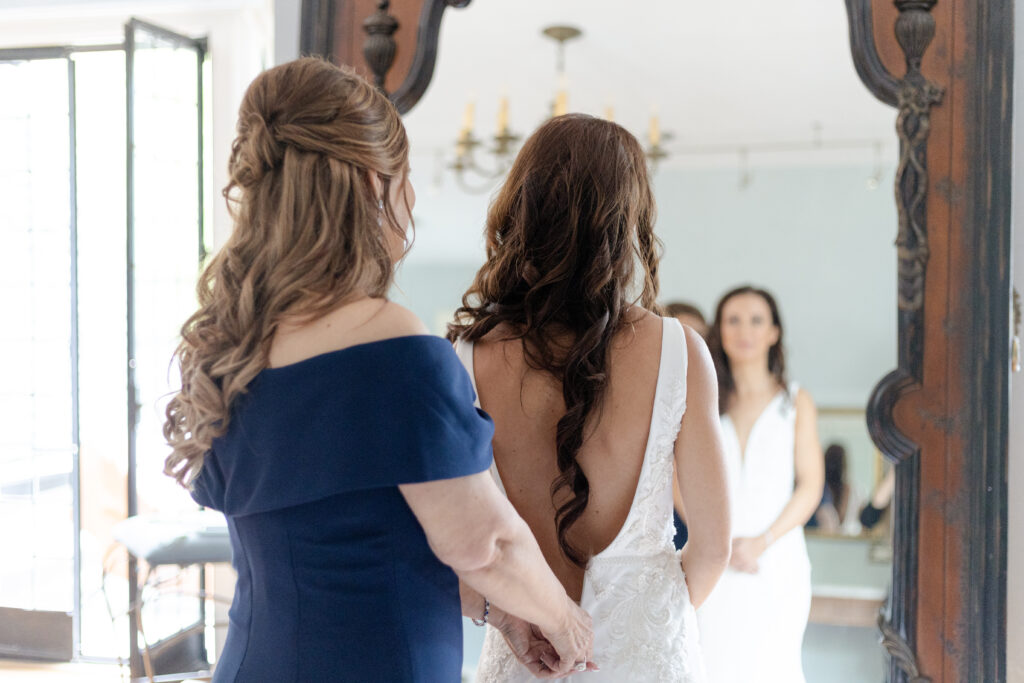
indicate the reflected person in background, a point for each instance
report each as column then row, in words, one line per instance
column 687, row 314
column 752, row 626
column 339, row 438
column 840, row 503
column 881, row 499
column 594, row 399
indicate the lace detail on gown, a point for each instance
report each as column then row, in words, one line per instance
column 645, row 626
column 502, row 665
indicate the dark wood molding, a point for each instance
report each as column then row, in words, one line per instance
column 866, row 61
column 985, row 356
column 415, row 84
column 379, row 48
column 316, row 28
column 372, row 38
column 914, row 96
column 900, row 651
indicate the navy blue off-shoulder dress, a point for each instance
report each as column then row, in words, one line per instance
column 336, row 581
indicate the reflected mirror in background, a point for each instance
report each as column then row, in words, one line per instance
column 772, row 166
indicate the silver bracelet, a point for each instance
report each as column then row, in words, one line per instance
column 487, row 610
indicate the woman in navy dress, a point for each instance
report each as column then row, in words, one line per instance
column 338, row 437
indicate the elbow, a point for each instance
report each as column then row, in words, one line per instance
column 476, row 550
column 474, row 558
column 713, row 552
column 721, row 554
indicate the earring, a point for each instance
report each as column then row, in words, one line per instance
column 380, row 212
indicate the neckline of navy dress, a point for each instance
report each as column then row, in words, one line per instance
column 364, row 346
column 374, row 415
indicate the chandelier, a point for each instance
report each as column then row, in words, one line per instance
column 472, row 176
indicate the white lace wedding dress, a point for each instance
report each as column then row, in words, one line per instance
column 645, row 627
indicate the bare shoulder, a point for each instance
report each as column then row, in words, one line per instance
column 360, row 322
column 393, row 320
column 804, row 403
column 701, row 377
column 696, row 348
column 640, row 315
column 639, row 322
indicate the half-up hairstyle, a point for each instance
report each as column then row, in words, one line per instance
column 776, row 354
column 570, row 246
column 308, row 235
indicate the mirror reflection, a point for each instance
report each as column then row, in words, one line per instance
column 770, row 168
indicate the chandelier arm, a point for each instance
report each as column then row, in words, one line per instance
column 460, row 179
column 500, row 170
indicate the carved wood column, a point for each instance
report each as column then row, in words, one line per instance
column 941, row 416
column 392, row 44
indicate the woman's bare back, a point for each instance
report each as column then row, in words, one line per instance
column 526, row 406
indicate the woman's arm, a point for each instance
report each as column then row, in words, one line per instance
column 810, row 481
column 700, row 470
column 872, row 512
column 473, row 529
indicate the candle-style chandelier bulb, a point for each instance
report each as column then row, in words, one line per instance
column 504, row 141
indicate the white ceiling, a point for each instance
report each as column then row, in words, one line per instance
column 742, row 72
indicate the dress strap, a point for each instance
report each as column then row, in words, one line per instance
column 674, row 358
column 464, row 350
column 792, row 389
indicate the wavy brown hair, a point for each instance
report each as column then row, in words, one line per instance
column 569, row 241
column 776, row 354
column 307, row 236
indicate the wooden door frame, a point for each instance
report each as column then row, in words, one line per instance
column 941, row 416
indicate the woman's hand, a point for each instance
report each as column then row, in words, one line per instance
column 573, row 643
column 745, row 553
column 526, row 642
column 473, row 529
column 828, row 518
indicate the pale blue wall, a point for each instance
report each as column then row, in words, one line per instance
column 816, row 237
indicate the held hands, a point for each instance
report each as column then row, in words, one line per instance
column 550, row 655
column 745, row 553
column 525, row 641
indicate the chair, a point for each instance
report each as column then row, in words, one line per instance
column 197, row 538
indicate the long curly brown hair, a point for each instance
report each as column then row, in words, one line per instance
column 776, row 354
column 308, row 236
column 570, row 246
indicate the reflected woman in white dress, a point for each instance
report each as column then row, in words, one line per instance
column 753, row 623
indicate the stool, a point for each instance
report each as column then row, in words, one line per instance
column 197, row 538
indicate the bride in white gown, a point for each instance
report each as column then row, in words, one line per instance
column 776, row 474
column 595, row 401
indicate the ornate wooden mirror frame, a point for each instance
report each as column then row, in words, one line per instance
column 941, row 415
